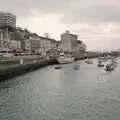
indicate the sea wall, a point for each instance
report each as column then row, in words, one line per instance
column 12, row 67
column 9, row 71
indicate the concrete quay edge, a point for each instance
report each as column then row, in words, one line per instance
column 16, row 70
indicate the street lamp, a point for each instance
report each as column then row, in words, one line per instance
column 1, row 39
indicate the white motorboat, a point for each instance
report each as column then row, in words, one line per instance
column 88, row 61
column 114, row 63
column 100, row 64
column 63, row 59
column 109, row 67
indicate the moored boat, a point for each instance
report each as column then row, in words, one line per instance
column 63, row 59
column 88, row 61
column 109, row 67
column 58, row 67
column 100, row 64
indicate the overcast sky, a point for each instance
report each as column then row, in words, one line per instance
column 97, row 22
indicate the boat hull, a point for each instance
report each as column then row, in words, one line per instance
column 109, row 68
column 65, row 60
column 100, row 65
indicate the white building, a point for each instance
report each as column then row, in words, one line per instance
column 27, row 45
column 13, row 44
column 42, row 47
column 32, row 44
column 40, row 44
column 69, row 42
column 47, row 44
column 59, row 45
column 53, row 44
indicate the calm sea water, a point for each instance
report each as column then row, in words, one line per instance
column 48, row 94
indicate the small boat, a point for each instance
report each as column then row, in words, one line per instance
column 64, row 59
column 109, row 67
column 58, row 67
column 89, row 61
column 100, row 64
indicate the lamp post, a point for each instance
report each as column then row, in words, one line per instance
column 7, row 38
column 1, row 39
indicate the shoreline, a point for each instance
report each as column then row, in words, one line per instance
column 11, row 71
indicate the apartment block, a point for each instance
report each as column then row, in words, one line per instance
column 69, row 42
column 7, row 19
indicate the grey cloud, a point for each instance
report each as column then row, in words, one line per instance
column 75, row 11
column 93, row 11
column 23, row 7
column 102, row 18
column 97, row 30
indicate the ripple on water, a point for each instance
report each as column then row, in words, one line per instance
column 48, row 94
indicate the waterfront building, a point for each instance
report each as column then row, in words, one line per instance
column 40, row 44
column 42, row 48
column 69, row 42
column 53, row 44
column 7, row 19
column 81, row 49
column 47, row 44
column 59, row 45
column 26, row 46
column 32, row 44
column 13, row 44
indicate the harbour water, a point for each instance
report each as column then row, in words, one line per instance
column 88, row 93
